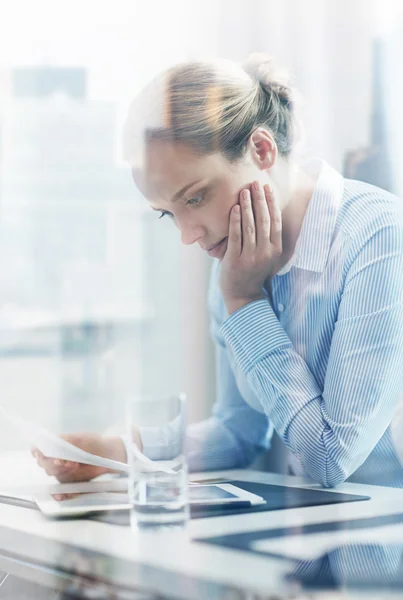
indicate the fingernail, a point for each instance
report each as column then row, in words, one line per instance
column 256, row 185
column 236, row 209
column 245, row 194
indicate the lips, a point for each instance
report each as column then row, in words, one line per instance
column 215, row 245
column 216, row 250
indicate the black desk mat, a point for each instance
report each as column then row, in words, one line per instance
column 244, row 541
column 278, row 497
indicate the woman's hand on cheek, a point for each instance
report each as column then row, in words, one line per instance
column 254, row 247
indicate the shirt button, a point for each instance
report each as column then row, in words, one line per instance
column 280, row 307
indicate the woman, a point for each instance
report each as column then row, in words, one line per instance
column 306, row 293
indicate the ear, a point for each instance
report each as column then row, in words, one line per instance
column 263, row 148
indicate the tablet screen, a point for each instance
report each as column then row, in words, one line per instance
column 200, row 493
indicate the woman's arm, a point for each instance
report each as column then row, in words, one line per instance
column 234, row 434
column 332, row 430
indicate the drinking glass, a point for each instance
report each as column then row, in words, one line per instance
column 158, row 471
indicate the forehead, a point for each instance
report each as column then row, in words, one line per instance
column 169, row 166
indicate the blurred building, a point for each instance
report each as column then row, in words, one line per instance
column 42, row 82
column 71, row 237
column 374, row 163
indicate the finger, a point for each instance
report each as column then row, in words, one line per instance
column 53, row 466
column 248, row 223
column 275, row 219
column 60, row 497
column 262, row 214
column 57, row 471
column 36, row 453
column 43, row 461
column 234, row 245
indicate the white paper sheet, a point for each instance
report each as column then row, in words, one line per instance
column 118, row 484
column 53, row 446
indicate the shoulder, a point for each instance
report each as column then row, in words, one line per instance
column 364, row 208
column 367, row 211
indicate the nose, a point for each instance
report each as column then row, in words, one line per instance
column 191, row 234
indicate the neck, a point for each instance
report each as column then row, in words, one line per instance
column 298, row 196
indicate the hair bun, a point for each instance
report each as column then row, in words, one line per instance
column 263, row 68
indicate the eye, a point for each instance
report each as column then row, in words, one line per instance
column 196, row 200
column 166, row 213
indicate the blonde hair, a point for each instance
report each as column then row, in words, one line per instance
column 214, row 107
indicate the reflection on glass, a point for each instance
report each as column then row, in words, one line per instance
column 362, row 565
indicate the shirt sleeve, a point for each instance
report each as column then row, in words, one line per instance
column 235, row 432
column 331, row 431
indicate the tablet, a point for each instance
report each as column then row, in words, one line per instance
column 199, row 495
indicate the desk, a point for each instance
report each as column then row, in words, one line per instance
column 46, row 551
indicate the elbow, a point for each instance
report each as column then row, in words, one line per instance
column 335, row 473
column 333, row 461
column 334, row 481
column 329, row 474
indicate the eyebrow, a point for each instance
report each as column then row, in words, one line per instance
column 181, row 192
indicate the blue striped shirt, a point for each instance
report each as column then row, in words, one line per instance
column 322, row 363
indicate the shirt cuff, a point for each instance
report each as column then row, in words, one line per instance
column 253, row 332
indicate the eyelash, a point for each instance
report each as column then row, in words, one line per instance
column 165, row 213
column 169, row 214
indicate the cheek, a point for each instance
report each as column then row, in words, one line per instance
column 228, row 197
column 219, row 218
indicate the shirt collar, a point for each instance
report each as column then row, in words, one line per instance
column 314, row 241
